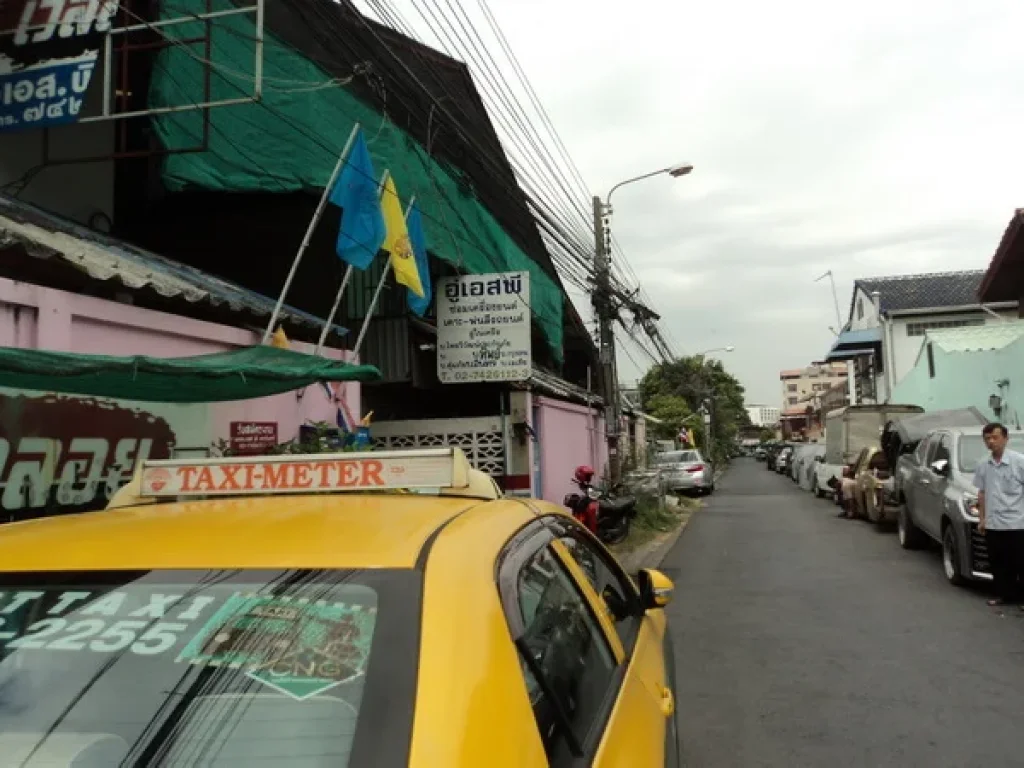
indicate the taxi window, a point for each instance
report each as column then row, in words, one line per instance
column 212, row 668
column 570, row 662
column 619, row 596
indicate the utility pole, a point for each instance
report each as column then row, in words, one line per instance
column 605, row 314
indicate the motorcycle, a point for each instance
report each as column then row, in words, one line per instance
column 605, row 514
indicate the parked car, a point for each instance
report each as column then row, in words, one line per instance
column 686, row 472
column 873, row 477
column 783, row 460
column 941, row 501
column 801, row 455
column 850, row 429
column 808, row 472
column 903, row 434
column 760, row 453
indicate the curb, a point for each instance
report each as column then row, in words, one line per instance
column 650, row 555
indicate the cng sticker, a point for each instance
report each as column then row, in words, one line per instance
column 297, row 647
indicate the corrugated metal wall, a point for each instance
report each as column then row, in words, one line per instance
column 388, row 343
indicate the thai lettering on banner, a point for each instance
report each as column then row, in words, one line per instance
column 48, row 52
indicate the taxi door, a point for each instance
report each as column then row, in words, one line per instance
column 640, row 731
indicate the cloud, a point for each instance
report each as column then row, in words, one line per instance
column 871, row 140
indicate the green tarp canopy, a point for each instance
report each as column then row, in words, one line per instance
column 290, row 141
column 240, row 374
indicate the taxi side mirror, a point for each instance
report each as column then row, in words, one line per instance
column 655, row 588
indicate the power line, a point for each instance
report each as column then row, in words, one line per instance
column 573, row 263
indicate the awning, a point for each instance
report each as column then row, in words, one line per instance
column 852, row 344
column 103, row 258
column 240, row 374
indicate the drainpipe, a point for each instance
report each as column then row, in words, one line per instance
column 851, row 379
column 876, row 299
column 891, row 356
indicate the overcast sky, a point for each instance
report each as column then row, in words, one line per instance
column 883, row 138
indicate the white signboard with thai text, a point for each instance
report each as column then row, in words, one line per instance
column 483, row 328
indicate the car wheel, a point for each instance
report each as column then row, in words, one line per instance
column 910, row 535
column 951, row 557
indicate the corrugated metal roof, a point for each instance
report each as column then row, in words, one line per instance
column 102, row 257
column 976, row 338
column 550, row 384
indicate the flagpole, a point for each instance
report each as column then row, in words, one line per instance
column 344, row 283
column 309, row 232
column 376, row 293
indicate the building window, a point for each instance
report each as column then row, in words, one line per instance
column 931, row 362
column 860, row 309
column 793, row 401
column 791, row 387
column 919, row 329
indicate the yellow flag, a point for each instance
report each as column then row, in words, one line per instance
column 279, row 340
column 397, row 243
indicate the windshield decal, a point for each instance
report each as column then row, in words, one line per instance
column 297, row 647
column 102, row 622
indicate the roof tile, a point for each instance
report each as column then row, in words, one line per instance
column 935, row 289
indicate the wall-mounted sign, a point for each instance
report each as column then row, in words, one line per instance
column 253, row 437
column 48, row 51
column 483, row 328
column 67, row 453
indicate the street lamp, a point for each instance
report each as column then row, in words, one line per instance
column 606, row 313
column 707, row 352
column 675, row 171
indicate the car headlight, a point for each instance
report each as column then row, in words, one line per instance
column 969, row 505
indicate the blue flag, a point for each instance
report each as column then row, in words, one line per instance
column 414, row 224
column 362, row 221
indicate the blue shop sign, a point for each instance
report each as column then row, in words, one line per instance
column 48, row 52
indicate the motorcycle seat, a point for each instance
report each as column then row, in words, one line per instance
column 617, row 505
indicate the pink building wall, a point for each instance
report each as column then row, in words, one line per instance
column 568, row 435
column 33, row 317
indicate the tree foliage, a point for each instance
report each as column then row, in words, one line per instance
column 673, row 412
column 678, row 389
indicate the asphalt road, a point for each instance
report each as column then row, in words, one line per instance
column 806, row 640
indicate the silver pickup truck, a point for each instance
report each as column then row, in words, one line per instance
column 941, row 501
column 903, row 434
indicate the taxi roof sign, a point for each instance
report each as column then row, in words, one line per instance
column 433, row 468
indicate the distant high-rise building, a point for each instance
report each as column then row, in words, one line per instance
column 764, row 415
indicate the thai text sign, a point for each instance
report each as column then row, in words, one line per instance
column 48, row 51
column 307, row 474
column 253, row 437
column 483, row 328
column 64, row 452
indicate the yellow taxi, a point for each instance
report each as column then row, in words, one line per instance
column 373, row 609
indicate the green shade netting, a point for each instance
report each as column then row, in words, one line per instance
column 240, row 374
column 291, row 141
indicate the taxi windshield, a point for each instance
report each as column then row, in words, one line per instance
column 212, row 668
